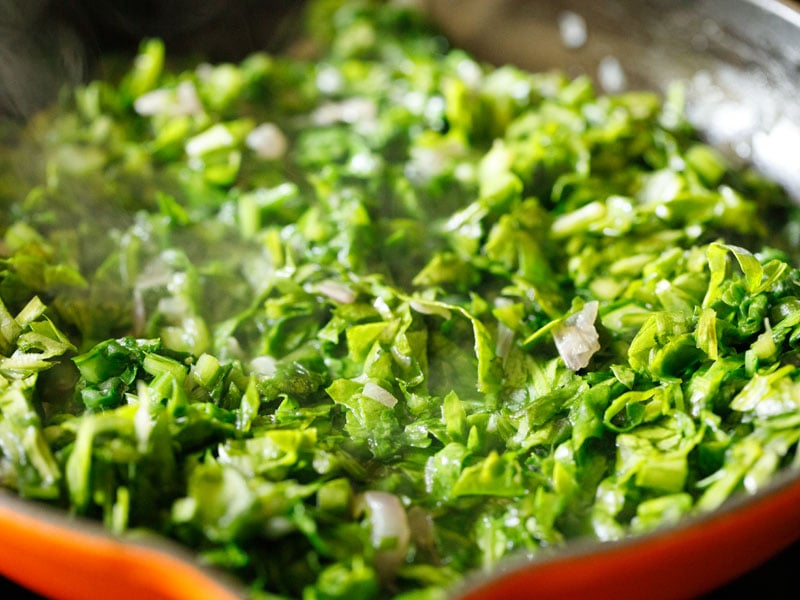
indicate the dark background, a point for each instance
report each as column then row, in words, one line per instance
column 45, row 43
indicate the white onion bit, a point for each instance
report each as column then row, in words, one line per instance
column 267, row 141
column 379, row 394
column 182, row 101
column 576, row 338
column 572, row 28
column 611, row 75
column 264, row 366
column 329, row 80
column 388, row 522
column 188, row 101
column 351, row 110
column 336, row 291
column 153, row 103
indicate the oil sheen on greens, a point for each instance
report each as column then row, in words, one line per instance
column 356, row 321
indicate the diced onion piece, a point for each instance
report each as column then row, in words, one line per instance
column 204, row 71
column 470, row 72
column 188, row 103
column 336, row 291
column 572, row 28
column 364, row 164
column 267, row 141
column 611, row 75
column 351, row 110
column 263, row 365
column 183, row 100
column 153, row 103
column 379, row 394
column 329, row 80
column 389, row 530
column 576, row 338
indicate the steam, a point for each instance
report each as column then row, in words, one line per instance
column 39, row 54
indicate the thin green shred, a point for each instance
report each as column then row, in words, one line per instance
column 357, row 324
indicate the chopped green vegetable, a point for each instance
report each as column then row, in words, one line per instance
column 352, row 326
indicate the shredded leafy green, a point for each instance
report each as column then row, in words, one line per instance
column 355, row 323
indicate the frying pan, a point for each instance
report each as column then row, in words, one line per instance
column 740, row 61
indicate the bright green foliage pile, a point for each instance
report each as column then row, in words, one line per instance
column 230, row 343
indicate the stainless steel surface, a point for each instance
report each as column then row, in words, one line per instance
column 740, row 60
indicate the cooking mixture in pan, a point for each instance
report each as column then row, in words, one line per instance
column 356, row 319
